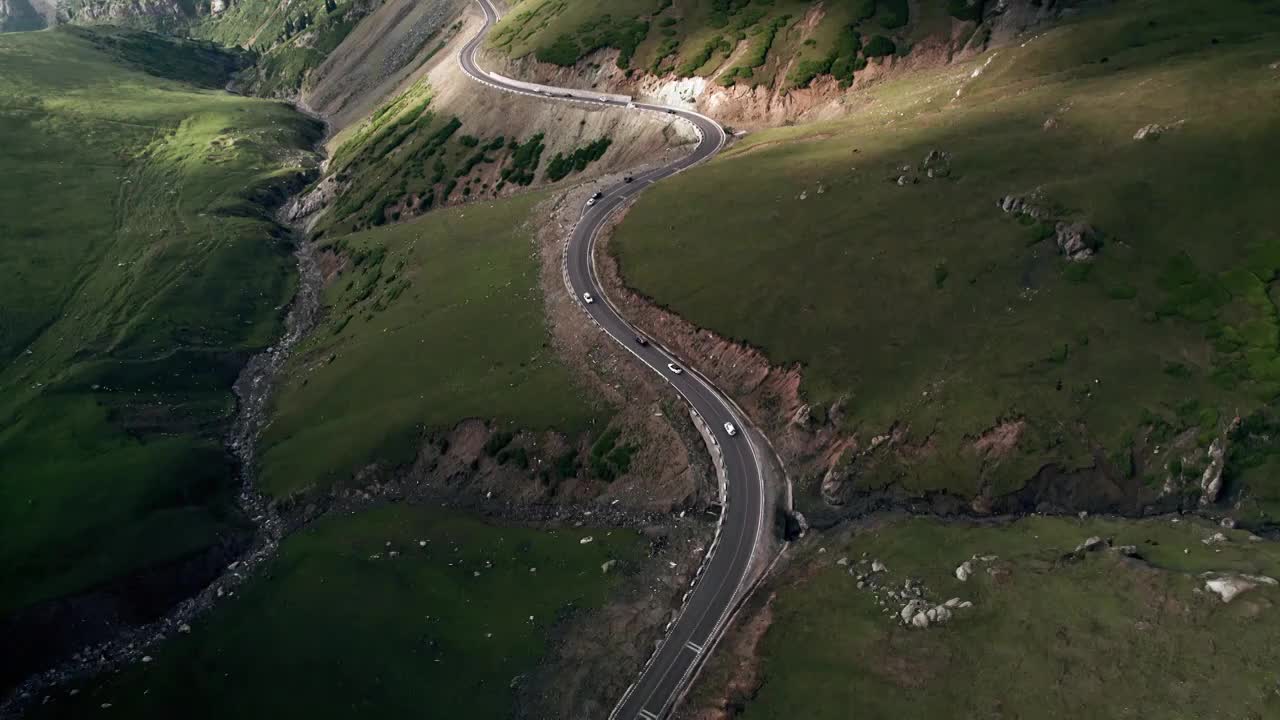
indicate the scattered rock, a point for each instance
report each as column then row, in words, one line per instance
column 585, row 540
column 1033, row 204
column 607, row 565
column 184, row 628
column 1228, row 585
column 146, row 658
column 1215, row 539
column 843, row 561
column 903, row 181
column 878, row 567
column 1228, row 523
column 1050, row 124
column 953, row 603
column 920, row 621
column 1128, row 550
column 964, row 571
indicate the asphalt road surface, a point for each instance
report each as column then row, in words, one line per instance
column 725, row 574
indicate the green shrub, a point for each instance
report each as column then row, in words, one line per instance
column 497, row 441
column 965, row 9
column 894, row 13
column 564, row 51
column 700, row 58
column 804, row 71
column 469, row 141
column 576, row 161
column 879, row 46
column 524, row 161
column 862, row 9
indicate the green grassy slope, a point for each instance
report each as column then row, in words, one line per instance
column 338, row 627
column 781, row 43
column 141, row 269
column 432, row 322
column 406, row 159
column 1098, row 637
column 928, row 306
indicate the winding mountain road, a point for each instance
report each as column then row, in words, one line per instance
column 731, row 562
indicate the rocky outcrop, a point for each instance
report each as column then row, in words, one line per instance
column 1077, row 240
column 1211, row 480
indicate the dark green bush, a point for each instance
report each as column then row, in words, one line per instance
column 564, row 51
column 576, row 161
column 879, row 46
column 965, row 9
column 894, row 13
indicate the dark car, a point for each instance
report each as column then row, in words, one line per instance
column 671, row 112
column 642, row 340
column 597, row 196
column 627, row 179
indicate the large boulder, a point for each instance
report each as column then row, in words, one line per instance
column 1077, row 240
column 1228, row 585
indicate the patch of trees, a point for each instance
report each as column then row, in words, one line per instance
column 576, row 161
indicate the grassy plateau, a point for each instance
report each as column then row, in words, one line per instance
column 1048, row 636
column 909, row 297
column 394, row 612
column 141, row 269
column 432, row 322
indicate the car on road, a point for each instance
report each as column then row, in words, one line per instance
column 591, row 201
column 674, row 368
column 671, row 112
column 586, row 298
column 627, row 179
column 642, row 341
column 597, row 195
column 729, row 428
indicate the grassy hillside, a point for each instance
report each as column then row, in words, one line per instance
column 408, row 158
column 782, row 43
column 432, row 322
column 1049, row 635
column 289, row 39
column 381, row 614
column 141, row 269
column 925, row 305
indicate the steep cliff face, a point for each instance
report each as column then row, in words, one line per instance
column 23, row 15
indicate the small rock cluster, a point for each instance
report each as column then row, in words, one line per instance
column 936, row 165
column 918, row 612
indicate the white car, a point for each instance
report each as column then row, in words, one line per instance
column 591, row 202
column 675, row 369
column 586, row 298
column 729, row 428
